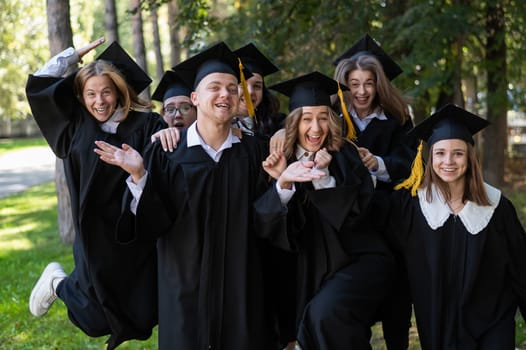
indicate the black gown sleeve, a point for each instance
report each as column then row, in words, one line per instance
column 516, row 241
column 55, row 109
column 401, row 154
column 346, row 202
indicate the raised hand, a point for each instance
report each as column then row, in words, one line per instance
column 169, row 138
column 277, row 141
column 322, row 159
column 84, row 50
column 368, row 159
column 126, row 157
column 275, row 164
column 299, row 172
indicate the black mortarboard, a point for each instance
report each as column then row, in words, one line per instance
column 171, row 84
column 216, row 59
column 450, row 122
column 255, row 61
column 135, row 76
column 312, row 89
column 368, row 45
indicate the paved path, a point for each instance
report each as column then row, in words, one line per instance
column 24, row 168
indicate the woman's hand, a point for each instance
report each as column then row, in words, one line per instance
column 368, row 159
column 299, row 172
column 169, row 138
column 322, row 159
column 275, row 164
column 277, row 141
column 126, row 157
column 84, row 50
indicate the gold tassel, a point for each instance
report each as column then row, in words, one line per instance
column 417, row 173
column 248, row 100
column 351, row 133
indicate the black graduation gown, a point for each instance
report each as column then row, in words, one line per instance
column 466, row 287
column 388, row 139
column 211, row 287
column 326, row 227
column 112, row 289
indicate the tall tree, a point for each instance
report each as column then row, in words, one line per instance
column 154, row 8
column 173, row 27
column 497, row 101
column 110, row 21
column 139, row 49
column 60, row 38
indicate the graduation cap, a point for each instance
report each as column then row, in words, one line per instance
column 367, row 45
column 251, row 58
column 216, row 59
column 171, row 84
column 135, row 76
column 314, row 89
column 255, row 61
column 450, row 122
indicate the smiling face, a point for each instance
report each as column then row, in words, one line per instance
column 362, row 84
column 100, row 97
column 255, row 90
column 450, row 160
column 313, row 127
column 216, row 97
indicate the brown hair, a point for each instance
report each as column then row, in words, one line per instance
column 474, row 189
column 387, row 96
column 127, row 97
column 334, row 138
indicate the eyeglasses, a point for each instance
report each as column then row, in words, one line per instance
column 184, row 108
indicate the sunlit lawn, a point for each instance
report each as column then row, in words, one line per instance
column 7, row 145
column 28, row 241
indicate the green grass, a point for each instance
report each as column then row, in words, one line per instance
column 28, row 241
column 7, row 145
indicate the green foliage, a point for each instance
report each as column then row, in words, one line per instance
column 22, row 45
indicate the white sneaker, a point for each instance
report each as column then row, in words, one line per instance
column 43, row 294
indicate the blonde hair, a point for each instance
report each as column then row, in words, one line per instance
column 387, row 96
column 127, row 97
column 474, row 189
column 333, row 142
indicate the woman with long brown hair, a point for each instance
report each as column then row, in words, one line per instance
column 342, row 268
column 463, row 244
column 113, row 287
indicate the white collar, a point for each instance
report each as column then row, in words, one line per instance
column 378, row 113
column 474, row 217
column 110, row 126
column 303, row 154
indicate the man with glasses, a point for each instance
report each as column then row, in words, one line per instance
column 177, row 110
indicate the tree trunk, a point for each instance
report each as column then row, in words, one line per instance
column 139, row 49
column 60, row 38
column 175, row 44
column 451, row 91
column 156, row 40
column 110, row 21
column 497, row 102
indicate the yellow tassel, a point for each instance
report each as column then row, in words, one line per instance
column 248, row 100
column 351, row 133
column 417, row 173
